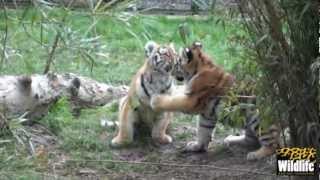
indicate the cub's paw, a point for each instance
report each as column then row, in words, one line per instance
column 166, row 139
column 118, row 143
column 263, row 152
column 195, row 146
column 227, row 141
column 253, row 156
column 233, row 140
column 155, row 102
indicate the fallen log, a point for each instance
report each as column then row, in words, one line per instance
column 64, row 3
column 33, row 95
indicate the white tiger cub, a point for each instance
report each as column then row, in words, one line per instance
column 154, row 77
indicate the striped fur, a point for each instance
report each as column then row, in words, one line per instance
column 204, row 82
column 206, row 124
column 154, row 77
column 265, row 142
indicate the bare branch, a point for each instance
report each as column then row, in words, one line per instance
column 51, row 54
column 275, row 25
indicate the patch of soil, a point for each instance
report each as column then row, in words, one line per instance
column 220, row 163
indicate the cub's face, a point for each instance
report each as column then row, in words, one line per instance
column 160, row 58
column 187, row 63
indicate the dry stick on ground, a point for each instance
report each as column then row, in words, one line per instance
column 53, row 49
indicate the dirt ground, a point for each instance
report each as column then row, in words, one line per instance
column 221, row 163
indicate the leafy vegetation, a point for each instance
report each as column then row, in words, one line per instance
column 106, row 47
column 285, row 43
column 276, row 51
column 112, row 50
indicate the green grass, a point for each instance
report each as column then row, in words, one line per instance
column 117, row 55
column 118, row 52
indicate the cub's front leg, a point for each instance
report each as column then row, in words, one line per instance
column 182, row 103
column 159, row 129
column 127, row 117
column 204, row 132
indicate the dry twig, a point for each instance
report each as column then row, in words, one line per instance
column 51, row 54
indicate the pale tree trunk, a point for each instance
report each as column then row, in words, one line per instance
column 33, row 95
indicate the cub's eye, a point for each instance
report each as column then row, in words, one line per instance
column 156, row 59
column 198, row 44
column 163, row 51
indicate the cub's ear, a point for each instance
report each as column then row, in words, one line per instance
column 189, row 54
column 150, row 47
column 171, row 45
column 197, row 44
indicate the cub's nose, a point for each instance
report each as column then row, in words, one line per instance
column 167, row 68
column 179, row 78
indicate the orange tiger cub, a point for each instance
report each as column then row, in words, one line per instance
column 154, row 77
column 204, row 83
column 203, row 80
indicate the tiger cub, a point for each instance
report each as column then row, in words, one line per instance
column 154, row 77
column 273, row 136
column 204, row 83
column 265, row 143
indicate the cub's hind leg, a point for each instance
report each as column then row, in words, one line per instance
column 249, row 139
column 159, row 129
column 269, row 141
column 262, row 152
column 127, row 117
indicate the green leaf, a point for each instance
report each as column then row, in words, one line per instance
column 184, row 32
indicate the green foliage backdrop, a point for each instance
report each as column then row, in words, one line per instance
column 284, row 35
